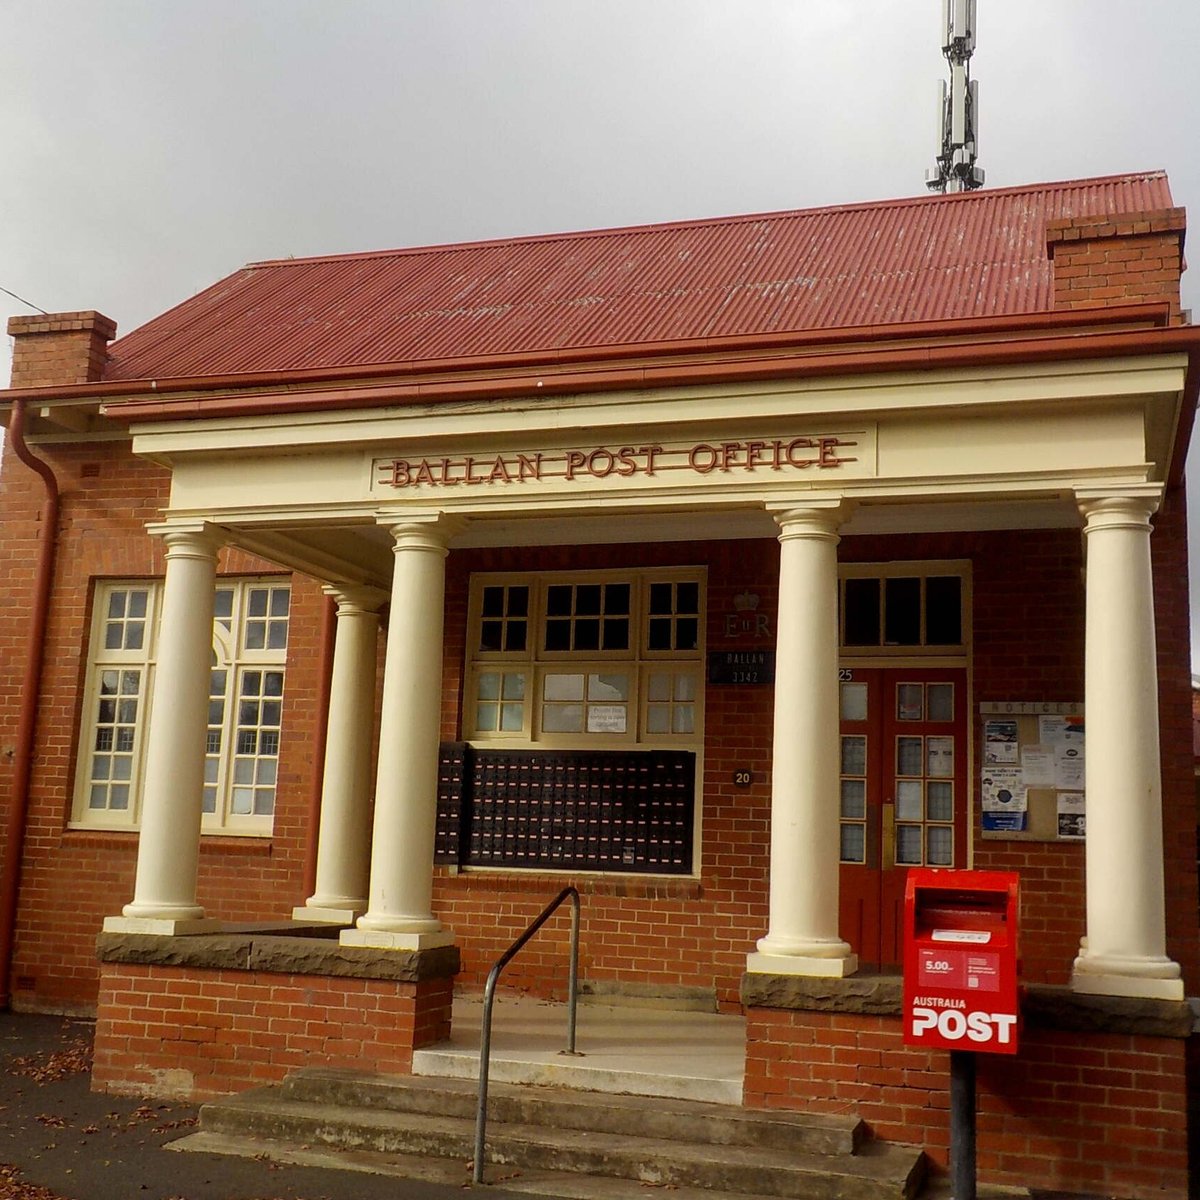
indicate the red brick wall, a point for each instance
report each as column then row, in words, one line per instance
column 194, row 1033
column 678, row 932
column 58, row 348
column 72, row 879
column 1122, row 259
column 1097, row 1112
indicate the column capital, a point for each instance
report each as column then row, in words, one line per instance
column 194, row 539
column 1118, row 508
column 819, row 517
column 352, row 598
column 422, row 530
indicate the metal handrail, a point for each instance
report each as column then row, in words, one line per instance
column 489, row 995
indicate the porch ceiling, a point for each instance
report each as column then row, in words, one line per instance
column 361, row 554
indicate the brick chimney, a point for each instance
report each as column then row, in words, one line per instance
column 1118, row 259
column 59, row 348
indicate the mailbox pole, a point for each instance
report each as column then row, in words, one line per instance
column 962, row 1124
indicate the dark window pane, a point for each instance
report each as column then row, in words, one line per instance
column 660, row 597
column 862, row 612
column 558, row 600
column 269, row 743
column 616, row 633
column 279, row 602
column 247, row 741
column 493, row 601
column 943, row 610
column 687, row 633
column 587, row 599
column 687, row 597
column 660, row 633
column 518, row 601
column 133, row 635
column 258, row 602
column 903, row 612
column 616, row 599
column 587, row 634
column 558, row 635
column 490, row 635
column 514, row 638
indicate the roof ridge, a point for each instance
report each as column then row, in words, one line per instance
column 702, row 222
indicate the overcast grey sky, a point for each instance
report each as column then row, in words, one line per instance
column 148, row 147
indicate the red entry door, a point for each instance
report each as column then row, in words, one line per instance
column 904, row 800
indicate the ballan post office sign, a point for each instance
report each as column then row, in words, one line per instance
column 649, row 464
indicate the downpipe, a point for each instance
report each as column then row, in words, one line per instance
column 18, row 807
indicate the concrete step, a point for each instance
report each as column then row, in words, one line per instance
column 634, row 1116
column 876, row 1173
column 677, row 1055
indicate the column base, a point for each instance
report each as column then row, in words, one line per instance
column 327, row 914
column 387, row 939
column 758, row 963
column 1106, row 975
column 162, row 926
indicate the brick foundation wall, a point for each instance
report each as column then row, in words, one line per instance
column 1096, row 1112
column 192, row 1033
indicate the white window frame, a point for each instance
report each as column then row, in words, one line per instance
column 636, row 661
column 229, row 653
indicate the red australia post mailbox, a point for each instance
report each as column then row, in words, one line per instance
column 961, row 961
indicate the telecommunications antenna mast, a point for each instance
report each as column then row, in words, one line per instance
column 958, row 105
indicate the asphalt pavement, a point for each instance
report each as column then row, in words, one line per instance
column 61, row 1141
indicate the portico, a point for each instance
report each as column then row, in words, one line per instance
column 899, row 453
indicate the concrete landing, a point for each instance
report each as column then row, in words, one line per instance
column 623, row 1050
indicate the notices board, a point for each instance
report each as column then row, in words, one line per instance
column 1031, row 770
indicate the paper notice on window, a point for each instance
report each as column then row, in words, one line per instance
column 606, row 718
column 1004, row 790
column 1072, row 820
column 1068, row 767
column 1038, row 766
column 1000, row 743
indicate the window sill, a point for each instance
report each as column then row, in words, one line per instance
column 126, row 839
column 641, row 887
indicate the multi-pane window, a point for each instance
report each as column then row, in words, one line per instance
column 245, row 705
column 902, row 607
column 591, row 657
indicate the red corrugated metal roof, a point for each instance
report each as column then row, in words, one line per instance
column 926, row 258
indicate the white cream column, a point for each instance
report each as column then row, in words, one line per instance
column 399, row 914
column 1124, row 952
column 164, row 897
column 344, row 836
column 802, row 936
